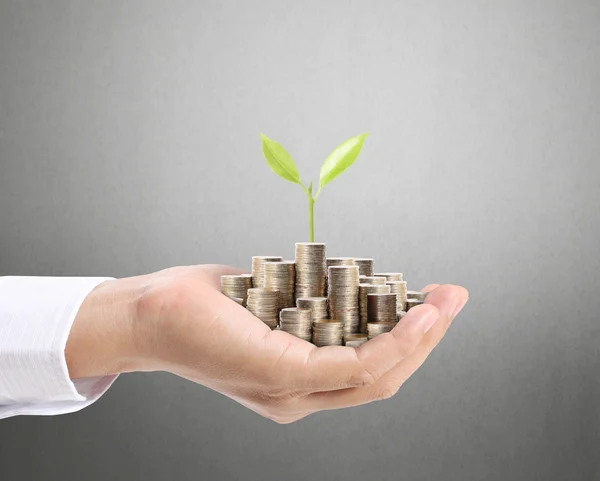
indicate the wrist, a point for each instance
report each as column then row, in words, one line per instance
column 102, row 339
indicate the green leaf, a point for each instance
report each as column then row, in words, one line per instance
column 279, row 160
column 341, row 158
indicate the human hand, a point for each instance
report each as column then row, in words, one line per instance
column 178, row 321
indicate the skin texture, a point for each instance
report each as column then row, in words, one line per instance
column 177, row 320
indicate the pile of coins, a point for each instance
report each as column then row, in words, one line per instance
column 282, row 276
column 363, row 291
column 390, row 276
column 310, row 269
column 355, row 340
column 376, row 328
column 414, row 298
column 381, row 307
column 373, row 280
column 297, row 321
column 258, row 268
column 340, row 261
column 327, row 332
column 398, row 288
column 329, row 301
column 342, row 288
column 263, row 302
column 365, row 266
column 420, row 296
column 317, row 306
column 236, row 286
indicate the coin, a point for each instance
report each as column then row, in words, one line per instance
column 354, row 340
column 398, row 288
column 390, row 276
column 296, row 321
column 365, row 265
column 381, row 308
column 263, row 302
column 282, row 276
column 416, row 295
column 376, row 328
column 327, row 332
column 239, row 300
column 342, row 288
column 236, row 285
column 311, row 268
column 363, row 291
column 258, row 268
column 411, row 302
column 317, row 305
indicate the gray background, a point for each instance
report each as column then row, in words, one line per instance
column 129, row 143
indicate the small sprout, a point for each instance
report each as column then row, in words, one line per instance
column 337, row 163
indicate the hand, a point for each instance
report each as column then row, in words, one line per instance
column 181, row 323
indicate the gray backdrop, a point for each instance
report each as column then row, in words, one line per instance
column 129, row 142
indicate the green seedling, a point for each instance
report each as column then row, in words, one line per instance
column 338, row 161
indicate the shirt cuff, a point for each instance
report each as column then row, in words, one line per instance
column 36, row 315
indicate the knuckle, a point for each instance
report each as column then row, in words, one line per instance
column 364, row 377
column 277, row 399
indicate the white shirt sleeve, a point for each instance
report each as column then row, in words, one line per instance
column 36, row 315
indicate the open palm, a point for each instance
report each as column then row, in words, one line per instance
column 194, row 331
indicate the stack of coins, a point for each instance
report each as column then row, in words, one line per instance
column 317, row 306
column 400, row 315
column 258, row 268
column 297, row 322
column 416, row 295
column 263, row 302
column 282, row 276
column 381, row 307
column 378, row 280
column 327, row 332
column 340, row 261
column 310, row 269
column 342, row 288
column 355, row 340
column 363, row 291
column 411, row 302
column 398, row 288
column 390, row 276
column 365, row 266
column 376, row 328
column 236, row 286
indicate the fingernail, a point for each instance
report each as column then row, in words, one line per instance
column 428, row 320
column 459, row 305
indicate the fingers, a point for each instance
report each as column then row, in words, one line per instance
column 430, row 287
column 447, row 300
column 336, row 367
column 395, row 378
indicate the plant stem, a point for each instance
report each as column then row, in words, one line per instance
column 311, row 218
